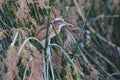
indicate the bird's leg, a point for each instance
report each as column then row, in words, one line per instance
column 49, row 59
column 48, row 51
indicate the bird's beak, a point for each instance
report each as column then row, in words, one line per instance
column 65, row 24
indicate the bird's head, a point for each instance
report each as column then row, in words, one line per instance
column 60, row 22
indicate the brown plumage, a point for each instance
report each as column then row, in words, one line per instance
column 58, row 23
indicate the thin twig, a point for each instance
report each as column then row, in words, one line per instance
column 15, row 38
column 24, row 73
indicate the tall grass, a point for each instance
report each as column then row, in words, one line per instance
column 83, row 52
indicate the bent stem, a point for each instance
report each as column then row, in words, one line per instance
column 27, row 40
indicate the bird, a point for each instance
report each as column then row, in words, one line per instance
column 57, row 23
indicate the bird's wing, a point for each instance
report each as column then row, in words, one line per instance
column 41, row 28
column 41, row 33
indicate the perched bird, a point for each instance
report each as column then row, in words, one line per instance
column 58, row 23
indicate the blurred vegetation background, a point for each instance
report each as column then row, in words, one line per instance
column 88, row 51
